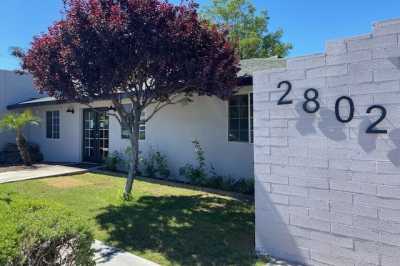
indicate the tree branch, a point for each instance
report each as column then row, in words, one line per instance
column 94, row 109
column 122, row 113
column 161, row 105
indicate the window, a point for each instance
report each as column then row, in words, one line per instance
column 241, row 118
column 53, row 124
column 142, row 130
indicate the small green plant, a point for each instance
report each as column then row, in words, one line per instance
column 34, row 232
column 156, row 165
column 162, row 165
column 112, row 161
column 228, row 183
column 17, row 122
column 244, row 186
column 196, row 175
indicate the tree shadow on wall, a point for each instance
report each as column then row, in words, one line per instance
column 330, row 126
column 305, row 122
column 327, row 123
column 394, row 155
column 187, row 230
column 366, row 141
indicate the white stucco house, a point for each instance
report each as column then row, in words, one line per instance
column 72, row 132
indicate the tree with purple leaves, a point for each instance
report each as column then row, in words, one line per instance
column 150, row 53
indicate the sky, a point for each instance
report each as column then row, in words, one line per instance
column 307, row 24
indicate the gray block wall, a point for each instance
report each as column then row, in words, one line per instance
column 328, row 193
column 14, row 88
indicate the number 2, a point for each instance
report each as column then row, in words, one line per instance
column 282, row 100
column 371, row 129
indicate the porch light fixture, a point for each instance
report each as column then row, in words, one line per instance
column 70, row 110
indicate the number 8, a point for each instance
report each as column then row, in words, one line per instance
column 311, row 99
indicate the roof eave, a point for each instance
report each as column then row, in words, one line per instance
column 245, row 80
column 25, row 105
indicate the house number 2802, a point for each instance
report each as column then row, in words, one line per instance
column 311, row 105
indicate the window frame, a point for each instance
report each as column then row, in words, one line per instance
column 142, row 129
column 53, row 124
column 250, row 117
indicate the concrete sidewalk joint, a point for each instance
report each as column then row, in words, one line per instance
column 110, row 256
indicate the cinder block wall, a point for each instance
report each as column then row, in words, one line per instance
column 327, row 192
column 14, row 88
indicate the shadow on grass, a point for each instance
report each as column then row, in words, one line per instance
column 186, row 230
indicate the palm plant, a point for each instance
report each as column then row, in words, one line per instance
column 16, row 122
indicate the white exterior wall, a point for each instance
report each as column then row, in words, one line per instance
column 68, row 148
column 171, row 132
column 173, row 129
column 13, row 88
column 327, row 193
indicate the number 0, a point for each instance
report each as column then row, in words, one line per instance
column 337, row 109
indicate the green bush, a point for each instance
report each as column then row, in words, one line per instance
column 37, row 233
column 156, row 165
column 241, row 185
column 244, row 185
column 197, row 175
column 112, row 161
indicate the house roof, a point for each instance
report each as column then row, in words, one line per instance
column 35, row 102
column 248, row 67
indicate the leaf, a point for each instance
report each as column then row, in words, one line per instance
column 16, row 121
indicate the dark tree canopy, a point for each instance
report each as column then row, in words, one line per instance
column 149, row 52
column 148, row 49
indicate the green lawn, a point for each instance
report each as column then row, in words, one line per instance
column 166, row 223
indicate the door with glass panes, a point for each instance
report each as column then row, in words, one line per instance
column 95, row 135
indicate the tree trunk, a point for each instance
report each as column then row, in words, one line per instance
column 134, row 160
column 23, row 148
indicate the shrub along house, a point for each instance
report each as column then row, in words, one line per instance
column 73, row 132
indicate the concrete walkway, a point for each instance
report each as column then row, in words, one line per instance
column 40, row 171
column 109, row 256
